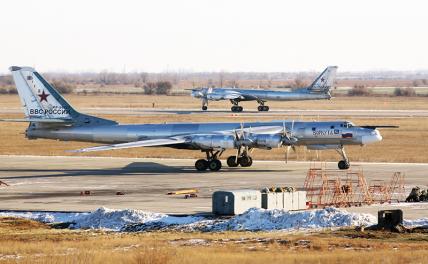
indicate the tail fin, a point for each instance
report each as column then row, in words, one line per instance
column 43, row 103
column 325, row 81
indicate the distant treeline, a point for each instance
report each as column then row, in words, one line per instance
column 361, row 90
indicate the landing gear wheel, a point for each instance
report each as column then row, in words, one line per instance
column 236, row 108
column 231, row 161
column 251, row 161
column 201, row 165
column 245, row 161
column 343, row 165
column 263, row 108
column 214, row 165
column 205, row 108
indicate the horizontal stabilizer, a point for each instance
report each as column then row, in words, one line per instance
column 375, row 127
column 135, row 144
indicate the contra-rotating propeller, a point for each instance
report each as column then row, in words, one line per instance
column 243, row 140
column 288, row 139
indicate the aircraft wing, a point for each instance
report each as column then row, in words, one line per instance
column 257, row 130
column 232, row 96
column 175, row 140
column 134, row 144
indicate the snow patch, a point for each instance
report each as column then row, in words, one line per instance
column 417, row 222
column 252, row 220
column 261, row 219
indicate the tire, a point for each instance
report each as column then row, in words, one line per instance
column 204, row 108
column 244, row 161
column 214, row 165
column 251, row 162
column 231, row 162
column 260, row 108
column 201, row 165
column 343, row 165
column 266, row 108
column 240, row 108
column 233, row 109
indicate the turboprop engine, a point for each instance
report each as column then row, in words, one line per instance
column 214, row 96
column 214, row 141
column 267, row 141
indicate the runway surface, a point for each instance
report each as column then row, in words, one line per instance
column 246, row 113
column 55, row 183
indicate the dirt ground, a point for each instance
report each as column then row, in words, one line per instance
column 27, row 241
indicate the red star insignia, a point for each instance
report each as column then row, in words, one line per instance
column 43, row 96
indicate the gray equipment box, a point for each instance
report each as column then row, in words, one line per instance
column 235, row 202
column 284, row 200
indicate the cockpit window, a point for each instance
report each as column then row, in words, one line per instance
column 348, row 125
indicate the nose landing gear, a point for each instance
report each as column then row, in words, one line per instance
column 343, row 164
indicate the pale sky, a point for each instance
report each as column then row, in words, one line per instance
column 215, row 35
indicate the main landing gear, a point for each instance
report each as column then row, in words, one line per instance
column 242, row 158
column 236, row 107
column 212, row 162
column 244, row 161
column 343, row 164
column 262, row 107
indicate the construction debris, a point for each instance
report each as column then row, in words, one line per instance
column 188, row 191
column 417, row 195
column 192, row 195
column 341, row 188
column 85, row 193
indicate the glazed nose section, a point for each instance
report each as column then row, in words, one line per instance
column 371, row 137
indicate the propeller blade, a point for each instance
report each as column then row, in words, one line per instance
column 286, row 153
column 292, row 128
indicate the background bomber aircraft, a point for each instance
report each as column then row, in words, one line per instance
column 318, row 90
column 51, row 117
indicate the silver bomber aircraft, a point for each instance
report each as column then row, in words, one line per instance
column 50, row 116
column 318, row 90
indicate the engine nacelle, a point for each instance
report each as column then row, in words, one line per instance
column 214, row 141
column 215, row 97
column 268, row 140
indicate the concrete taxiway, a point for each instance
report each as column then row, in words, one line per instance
column 55, row 183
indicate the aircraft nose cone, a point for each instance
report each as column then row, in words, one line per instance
column 373, row 137
column 378, row 136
